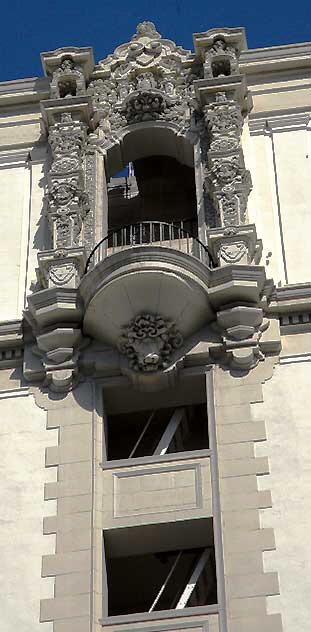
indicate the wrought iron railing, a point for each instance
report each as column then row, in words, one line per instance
column 171, row 235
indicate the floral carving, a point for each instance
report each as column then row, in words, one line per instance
column 144, row 106
column 149, row 341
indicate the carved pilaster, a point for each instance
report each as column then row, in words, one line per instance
column 222, row 98
column 66, row 199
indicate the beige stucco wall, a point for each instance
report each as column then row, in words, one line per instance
column 21, row 183
column 14, row 185
column 277, row 148
column 22, row 471
column 287, row 413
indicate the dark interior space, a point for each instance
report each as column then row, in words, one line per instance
column 161, row 578
column 142, row 433
column 158, row 188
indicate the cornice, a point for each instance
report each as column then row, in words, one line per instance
column 279, row 121
column 19, row 91
column 275, row 58
column 11, row 343
column 291, row 299
column 251, row 61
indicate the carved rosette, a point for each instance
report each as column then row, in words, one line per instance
column 149, row 342
column 66, row 199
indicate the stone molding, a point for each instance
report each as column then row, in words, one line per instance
column 148, row 78
column 234, row 299
column 11, row 344
column 54, row 316
column 288, row 305
column 275, row 58
column 149, row 341
column 69, row 64
column 278, row 122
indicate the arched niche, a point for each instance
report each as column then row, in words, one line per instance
column 141, row 140
column 161, row 185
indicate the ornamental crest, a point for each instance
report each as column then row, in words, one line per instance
column 148, row 78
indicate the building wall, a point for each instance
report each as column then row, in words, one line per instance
column 21, row 207
column 287, row 416
column 22, row 465
column 277, row 152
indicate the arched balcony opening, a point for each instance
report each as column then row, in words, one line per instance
column 151, row 193
column 155, row 188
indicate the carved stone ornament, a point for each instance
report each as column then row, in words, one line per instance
column 220, row 59
column 227, row 181
column 68, row 80
column 149, row 342
column 234, row 244
column 148, row 78
column 69, row 69
column 66, row 199
column 61, row 267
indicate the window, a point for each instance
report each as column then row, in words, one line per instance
column 157, row 431
column 170, row 566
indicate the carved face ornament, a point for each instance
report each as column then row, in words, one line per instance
column 148, row 341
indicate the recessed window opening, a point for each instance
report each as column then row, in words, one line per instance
column 156, row 188
column 67, row 88
column 160, row 578
column 157, row 431
column 221, row 68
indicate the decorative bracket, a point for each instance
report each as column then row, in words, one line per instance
column 234, row 244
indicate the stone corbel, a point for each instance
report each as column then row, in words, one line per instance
column 79, row 108
column 234, row 244
column 240, row 296
column 54, row 316
column 247, row 336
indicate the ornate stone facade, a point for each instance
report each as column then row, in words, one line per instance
column 147, row 79
column 169, row 340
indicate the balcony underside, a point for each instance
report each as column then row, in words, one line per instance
column 145, row 279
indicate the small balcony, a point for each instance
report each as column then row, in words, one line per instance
column 150, row 267
column 179, row 236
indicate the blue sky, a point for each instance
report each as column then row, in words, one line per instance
column 29, row 27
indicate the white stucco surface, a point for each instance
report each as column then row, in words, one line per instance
column 287, row 413
column 279, row 204
column 293, row 172
column 14, row 238
column 23, row 438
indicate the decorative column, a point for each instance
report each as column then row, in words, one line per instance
column 223, row 99
column 66, row 117
column 54, row 312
